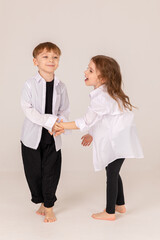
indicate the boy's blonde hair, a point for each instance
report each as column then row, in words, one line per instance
column 48, row 46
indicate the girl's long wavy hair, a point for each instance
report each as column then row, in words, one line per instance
column 111, row 74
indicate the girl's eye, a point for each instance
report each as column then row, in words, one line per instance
column 90, row 71
column 45, row 57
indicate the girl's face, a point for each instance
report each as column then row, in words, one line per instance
column 91, row 75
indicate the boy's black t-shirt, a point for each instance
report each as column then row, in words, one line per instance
column 46, row 137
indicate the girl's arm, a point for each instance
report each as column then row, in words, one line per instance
column 96, row 110
column 58, row 127
column 69, row 125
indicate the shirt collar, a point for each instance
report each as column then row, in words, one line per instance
column 100, row 88
column 38, row 78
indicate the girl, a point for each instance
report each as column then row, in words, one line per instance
column 109, row 120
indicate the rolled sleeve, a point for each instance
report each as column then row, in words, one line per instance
column 45, row 120
column 63, row 112
column 90, row 132
column 80, row 123
column 50, row 122
column 95, row 112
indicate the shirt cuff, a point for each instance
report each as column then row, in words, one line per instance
column 90, row 132
column 67, row 132
column 80, row 123
column 50, row 122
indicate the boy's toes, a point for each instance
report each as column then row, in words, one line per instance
column 49, row 220
column 40, row 213
column 46, row 219
column 52, row 220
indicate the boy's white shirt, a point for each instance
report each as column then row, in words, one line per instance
column 113, row 131
column 33, row 104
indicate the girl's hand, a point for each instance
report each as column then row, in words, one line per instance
column 87, row 139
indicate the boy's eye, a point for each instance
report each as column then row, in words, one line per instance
column 45, row 57
column 90, row 71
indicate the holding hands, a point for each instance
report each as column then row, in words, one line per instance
column 59, row 127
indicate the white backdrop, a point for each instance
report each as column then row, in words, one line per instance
column 123, row 29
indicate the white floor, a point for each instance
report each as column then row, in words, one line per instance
column 79, row 195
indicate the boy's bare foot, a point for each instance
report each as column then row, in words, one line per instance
column 41, row 210
column 120, row 208
column 49, row 215
column 104, row 216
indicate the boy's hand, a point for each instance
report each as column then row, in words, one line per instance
column 57, row 133
column 87, row 139
column 57, row 128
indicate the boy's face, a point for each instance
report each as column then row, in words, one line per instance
column 47, row 62
column 92, row 76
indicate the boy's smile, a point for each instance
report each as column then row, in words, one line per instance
column 47, row 62
column 92, row 76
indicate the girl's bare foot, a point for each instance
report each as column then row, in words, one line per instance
column 41, row 210
column 104, row 216
column 120, row 208
column 49, row 215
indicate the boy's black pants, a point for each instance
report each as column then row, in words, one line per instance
column 115, row 195
column 42, row 169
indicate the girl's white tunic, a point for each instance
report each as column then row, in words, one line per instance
column 114, row 131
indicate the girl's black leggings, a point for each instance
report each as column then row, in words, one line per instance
column 115, row 195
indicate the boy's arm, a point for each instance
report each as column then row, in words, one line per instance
column 45, row 120
column 63, row 111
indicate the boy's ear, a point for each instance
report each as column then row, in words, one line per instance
column 35, row 61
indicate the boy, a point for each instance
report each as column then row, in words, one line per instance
column 44, row 101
